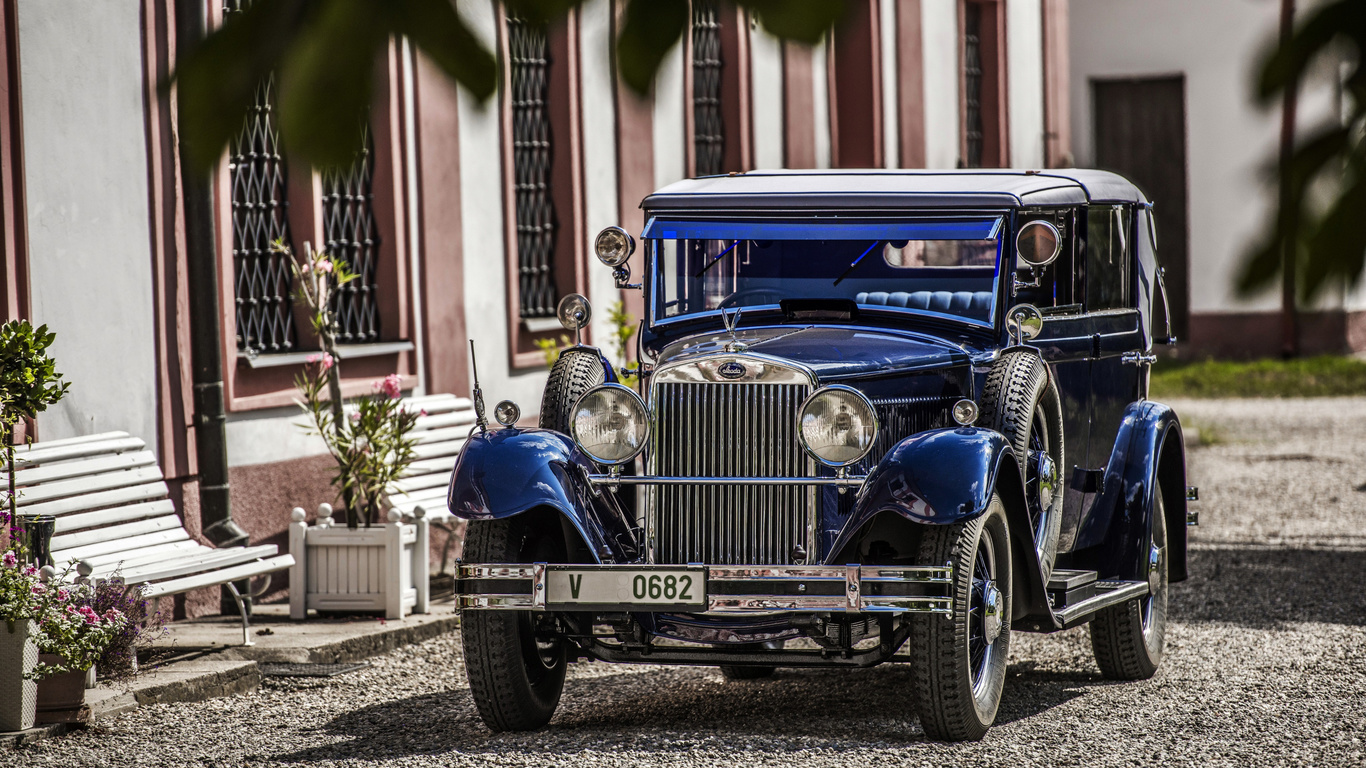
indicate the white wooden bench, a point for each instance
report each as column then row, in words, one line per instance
column 440, row 436
column 114, row 518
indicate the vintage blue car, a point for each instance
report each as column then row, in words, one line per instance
column 880, row 416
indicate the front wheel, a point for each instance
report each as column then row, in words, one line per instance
column 1129, row 639
column 515, row 663
column 960, row 661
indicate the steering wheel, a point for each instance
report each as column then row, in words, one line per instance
column 735, row 299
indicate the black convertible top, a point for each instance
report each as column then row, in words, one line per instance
column 895, row 189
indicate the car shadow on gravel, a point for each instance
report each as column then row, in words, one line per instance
column 1266, row 588
column 677, row 710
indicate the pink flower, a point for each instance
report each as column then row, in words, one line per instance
column 422, row 412
column 10, row 560
column 63, row 593
column 313, row 358
column 355, row 415
column 392, row 386
column 30, row 570
column 38, row 589
column 327, row 361
column 322, row 265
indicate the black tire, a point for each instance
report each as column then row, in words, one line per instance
column 958, row 672
column 747, row 673
column 574, row 373
column 1130, row 639
column 516, row 674
column 1020, row 400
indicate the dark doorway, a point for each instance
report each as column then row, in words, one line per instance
column 1141, row 133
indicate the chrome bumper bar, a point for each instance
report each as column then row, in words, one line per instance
column 851, row 481
column 727, row 589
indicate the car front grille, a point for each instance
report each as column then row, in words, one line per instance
column 746, row 429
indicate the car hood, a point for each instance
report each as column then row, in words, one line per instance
column 832, row 352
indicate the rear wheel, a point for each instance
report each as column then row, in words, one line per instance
column 574, row 373
column 1129, row 639
column 959, row 662
column 514, row 660
column 747, row 673
column 1020, row 400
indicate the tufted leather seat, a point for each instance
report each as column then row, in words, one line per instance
column 967, row 303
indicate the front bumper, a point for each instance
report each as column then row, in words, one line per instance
column 723, row 589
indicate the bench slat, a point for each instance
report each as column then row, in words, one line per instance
column 440, row 464
column 25, row 477
column 439, row 420
column 444, row 448
column 235, row 573
column 123, row 545
column 196, row 562
column 46, row 452
column 75, row 522
column 80, row 486
column 422, row 482
column 112, row 561
column 113, row 532
column 145, row 492
column 97, row 437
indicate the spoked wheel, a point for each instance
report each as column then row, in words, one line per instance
column 1129, row 639
column 960, row 663
column 1020, row 400
column 515, row 660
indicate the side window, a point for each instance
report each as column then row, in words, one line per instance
column 1108, row 257
column 1056, row 292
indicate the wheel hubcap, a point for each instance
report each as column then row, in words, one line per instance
column 1154, row 568
column 992, row 619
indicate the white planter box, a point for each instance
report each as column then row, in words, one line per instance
column 18, row 655
column 383, row 568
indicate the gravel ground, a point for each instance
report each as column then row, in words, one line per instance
column 1266, row 663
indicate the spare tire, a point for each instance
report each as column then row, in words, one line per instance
column 574, row 373
column 1020, row 400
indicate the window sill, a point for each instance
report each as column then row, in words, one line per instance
column 344, row 352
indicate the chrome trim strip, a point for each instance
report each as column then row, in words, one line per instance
column 851, row 481
column 763, row 369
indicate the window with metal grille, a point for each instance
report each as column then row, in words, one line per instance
column 349, row 226
column 263, row 280
column 972, row 85
column 529, row 59
column 709, row 138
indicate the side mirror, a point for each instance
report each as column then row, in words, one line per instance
column 574, row 312
column 1024, row 322
column 1038, row 243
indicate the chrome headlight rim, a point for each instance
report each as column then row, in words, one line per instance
column 872, row 414
column 609, row 256
column 644, row 419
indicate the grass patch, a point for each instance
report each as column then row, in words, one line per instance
column 1325, row 376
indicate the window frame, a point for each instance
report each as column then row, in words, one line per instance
column 993, row 100
column 737, row 152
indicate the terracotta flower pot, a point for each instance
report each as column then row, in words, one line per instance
column 60, row 695
column 18, row 655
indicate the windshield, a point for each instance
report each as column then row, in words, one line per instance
column 943, row 267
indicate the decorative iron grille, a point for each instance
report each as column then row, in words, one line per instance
column 709, row 136
column 529, row 56
column 353, row 237
column 972, row 83
column 260, row 208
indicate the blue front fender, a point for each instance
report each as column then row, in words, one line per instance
column 507, row 472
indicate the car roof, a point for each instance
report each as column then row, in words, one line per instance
column 875, row 188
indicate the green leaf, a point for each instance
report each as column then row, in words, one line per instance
column 805, row 21
column 437, row 30
column 650, row 30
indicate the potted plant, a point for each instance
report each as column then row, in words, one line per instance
column 71, row 637
column 19, row 590
column 362, row 566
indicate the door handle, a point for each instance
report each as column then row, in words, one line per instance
column 1137, row 358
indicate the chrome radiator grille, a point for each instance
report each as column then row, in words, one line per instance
column 730, row 430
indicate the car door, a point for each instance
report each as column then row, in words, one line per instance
column 1111, row 307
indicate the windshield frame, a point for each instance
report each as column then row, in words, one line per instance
column 653, row 284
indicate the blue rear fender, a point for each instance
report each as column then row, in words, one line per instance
column 1113, row 533
column 948, row 476
column 507, row 472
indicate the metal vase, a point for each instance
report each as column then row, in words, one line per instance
column 40, row 529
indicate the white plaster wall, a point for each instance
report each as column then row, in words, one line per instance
column 1216, row 45
column 599, row 157
column 891, row 138
column 1024, row 82
column 671, row 160
column 766, row 97
column 90, row 262
column 820, row 90
column 939, row 27
column 271, row 435
column 481, row 212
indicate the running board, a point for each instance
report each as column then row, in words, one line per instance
column 1107, row 593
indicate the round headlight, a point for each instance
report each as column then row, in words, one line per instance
column 610, row 424
column 614, row 246
column 506, row 413
column 837, row 425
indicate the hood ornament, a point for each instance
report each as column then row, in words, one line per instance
column 731, row 321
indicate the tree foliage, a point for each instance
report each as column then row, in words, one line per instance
column 324, row 53
column 1324, row 184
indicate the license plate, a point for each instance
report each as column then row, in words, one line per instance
column 681, row 587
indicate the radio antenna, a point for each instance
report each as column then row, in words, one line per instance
column 479, row 420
